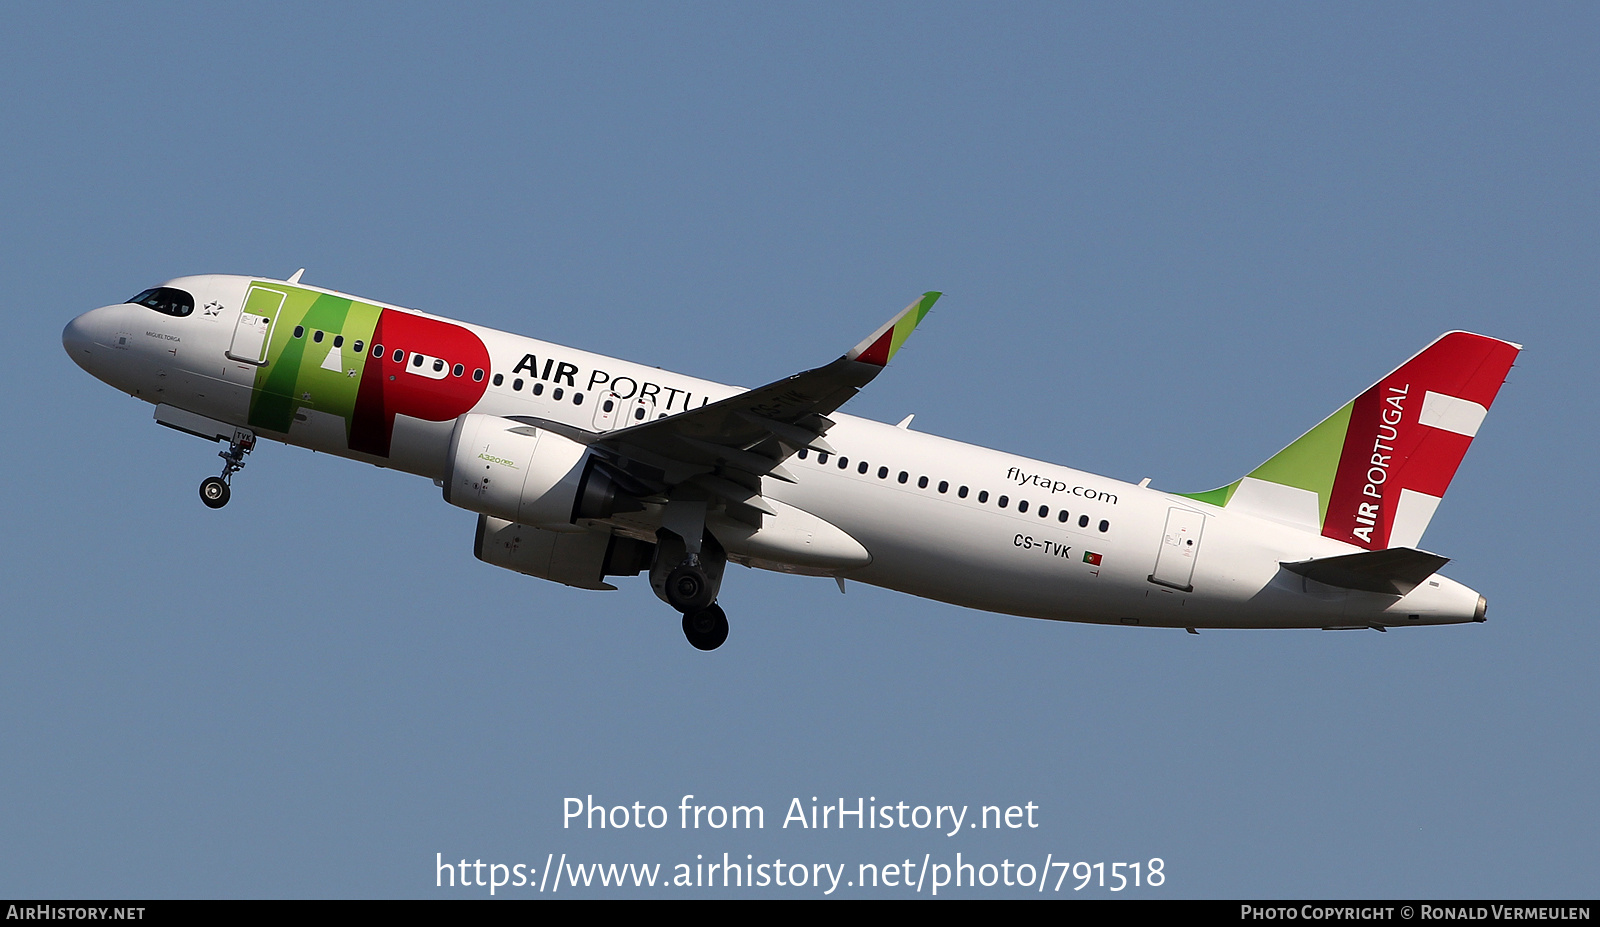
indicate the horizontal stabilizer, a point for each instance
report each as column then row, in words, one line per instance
column 1395, row 571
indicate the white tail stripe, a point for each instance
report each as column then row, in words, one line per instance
column 1284, row 504
column 1412, row 513
column 1462, row 416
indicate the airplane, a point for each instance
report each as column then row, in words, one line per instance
column 582, row 467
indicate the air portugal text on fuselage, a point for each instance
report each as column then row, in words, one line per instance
column 555, row 371
column 582, row 467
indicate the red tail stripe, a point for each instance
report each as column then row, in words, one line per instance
column 1386, row 448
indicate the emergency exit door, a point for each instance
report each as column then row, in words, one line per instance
column 253, row 332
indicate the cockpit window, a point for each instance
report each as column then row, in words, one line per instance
column 167, row 300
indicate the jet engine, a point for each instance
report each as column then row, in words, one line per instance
column 523, row 474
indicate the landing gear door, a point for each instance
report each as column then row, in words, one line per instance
column 253, row 332
column 1180, row 545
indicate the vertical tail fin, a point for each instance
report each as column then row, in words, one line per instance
column 1372, row 473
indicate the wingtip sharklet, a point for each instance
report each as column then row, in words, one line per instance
column 880, row 347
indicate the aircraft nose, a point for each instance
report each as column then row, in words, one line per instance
column 75, row 337
column 83, row 336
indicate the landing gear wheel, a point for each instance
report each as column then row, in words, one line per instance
column 707, row 628
column 214, row 492
column 688, row 591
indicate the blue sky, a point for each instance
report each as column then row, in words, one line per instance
column 1171, row 239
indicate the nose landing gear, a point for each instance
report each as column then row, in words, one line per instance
column 214, row 491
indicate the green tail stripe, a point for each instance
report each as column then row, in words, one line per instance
column 1218, row 497
column 1310, row 463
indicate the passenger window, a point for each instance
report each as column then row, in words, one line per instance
column 438, row 366
column 499, row 378
column 1063, row 516
column 962, row 492
column 844, row 463
column 338, row 342
column 399, row 355
column 1104, row 526
column 1044, row 511
column 803, row 453
column 416, row 360
column 822, row 457
column 944, row 485
column 983, row 495
column 1083, row 521
column 577, row 399
column 862, row 468
column 477, row 375
column 609, row 405
column 358, row 345
column 638, row 414
column 1022, row 506
column 538, row 390
column 557, row 394
column 517, row 384
column 883, row 473
column 377, row 350
column 922, row 482
column 316, row 336
column 299, row 331
column 457, row 370
column 1002, row 501
column 903, row 476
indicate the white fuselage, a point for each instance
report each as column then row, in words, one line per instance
column 941, row 531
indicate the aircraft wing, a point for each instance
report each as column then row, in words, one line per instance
column 726, row 447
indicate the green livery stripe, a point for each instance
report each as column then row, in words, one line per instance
column 303, row 373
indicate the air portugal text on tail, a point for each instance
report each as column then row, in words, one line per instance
column 582, row 467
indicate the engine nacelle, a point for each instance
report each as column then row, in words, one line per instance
column 530, row 476
column 575, row 558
